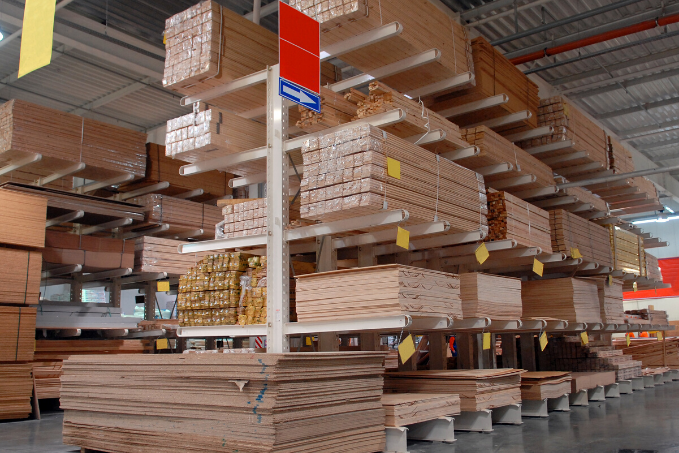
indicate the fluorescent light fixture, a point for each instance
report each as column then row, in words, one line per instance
column 657, row 220
column 668, row 209
column 1, row 36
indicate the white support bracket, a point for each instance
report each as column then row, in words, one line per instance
column 390, row 235
column 658, row 379
column 569, row 171
column 504, row 120
column 444, row 85
column 61, row 174
column 223, row 244
column 106, row 226
column 226, row 88
column 103, row 184
column 105, row 275
column 19, row 163
column 612, row 390
column 536, row 193
column 579, row 398
column 560, row 404
column 497, row 169
column 475, row 106
column 433, row 242
column 597, row 393
column 63, row 270
column 534, row 408
column 186, row 234
column 141, row 191
column 462, row 153
column 478, row 422
column 190, row 194
column 340, row 226
column 363, row 40
column 638, row 383
column 70, row 217
column 396, row 439
column 625, row 387
column 675, row 375
column 438, row 430
column 513, row 182
column 667, row 376
column 564, row 158
column 530, row 134
column 556, row 146
column 507, row 415
column 649, row 381
column 147, row 232
column 552, row 202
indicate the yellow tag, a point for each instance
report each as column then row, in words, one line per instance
column 628, row 339
column 543, row 341
column 406, row 349
column 393, row 168
column 308, row 341
column 659, row 334
column 610, row 280
column 163, row 286
column 482, row 253
column 584, row 337
column 164, row 39
column 634, row 286
column 486, row 340
column 538, row 267
column 162, row 343
column 566, row 109
column 575, row 253
column 402, row 238
column 37, row 35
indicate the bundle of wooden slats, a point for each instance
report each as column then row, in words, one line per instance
column 478, row 389
column 23, row 219
column 306, row 402
column 628, row 251
column 569, row 354
column 570, row 299
column 638, row 194
column 53, row 350
column 610, row 300
column 335, row 110
column 653, row 353
column 599, row 205
column 620, row 158
column 248, row 217
column 346, row 175
column 47, row 379
column 495, row 75
column 590, row 380
column 510, row 217
column 387, row 290
column 404, row 409
column 160, row 255
column 64, row 139
column 15, row 391
column 20, row 272
column 540, row 385
column 652, row 267
column 93, row 253
column 490, row 296
column 17, row 333
column 570, row 232
column 181, row 215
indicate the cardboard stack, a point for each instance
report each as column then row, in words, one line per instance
column 490, row 296
column 571, row 299
column 93, row 253
column 572, row 235
column 540, row 385
column 404, row 409
column 510, row 217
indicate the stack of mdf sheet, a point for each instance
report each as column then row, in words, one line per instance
column 628, row 251
column 652, row 267
column 569, row 354
column 17, row 333
column 490, row 296
column 93, row 253
column 590, row 380
column 181, row 215
column 570, row 299
column 304, row 402
column 387, row 290
column 404, row 409
column 20, row 276
column 571, row 233
column 510, row 217
column 610, row 300
column 478, row 389
column 162, row 255
column 16, row 390
column 540, row 385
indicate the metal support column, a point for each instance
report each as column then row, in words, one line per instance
column 326, row 260
column 150, row 301
column 76, row 291
column 114, row 292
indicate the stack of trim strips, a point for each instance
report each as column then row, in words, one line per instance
column 490, row 296
column 93, row 253
column 478, row 389
column 494, row 75
column 620, row 158
column 652, row 267
column 306, row 402
column 182, row 215
column 540, row 385
column 570, row 232
column 510, row 217
column 610, row 300
column 17, row 333
column 404, row 409
column 64, row 139
column 388, row 290
column 335, row 110
column 570, row 299
column 160, row 255
column 353, row 172
column 248, row 217
column 495, row 149
column 628, row 250
column 208, row 45
column 425, row 27
column 16, row 390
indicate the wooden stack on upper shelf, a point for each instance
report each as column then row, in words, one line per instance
column 540, row 385
column 247, row 217
column 510, row 217
column 652, row 267
column 306, row 402
column 478, row 389
column 388, row 290
column 638, row 195
column 571, row 299
column 93, row 253
column 490, row 296
column 404, row 409
column 16, row 390
column 572, row 234
column 620, row 158
column 335, row 110
column 610, row 299
column 181, row 215
column 161, row 255
column 628, row 251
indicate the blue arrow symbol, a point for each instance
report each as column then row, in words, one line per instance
column 299, row 95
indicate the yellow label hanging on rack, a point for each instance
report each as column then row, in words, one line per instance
column 393, row 168
column 659, row 334
column 634, row 286
column 584, row 338
column 308, row 341
column 628, row 340
column 543, row 341
column 610, row 280
column 162, row 343
column 538, row 267
column 575, row 253
column 163, row 286
column 37, row 35
column 482, row 253
column 402, row 238
column 486, row 341
column 406, row 349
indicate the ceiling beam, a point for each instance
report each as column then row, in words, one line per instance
column 637, row 108
column 616, row 83
column 659, row 144
column 627, row 134
column 634, row 80
column 484, row 9
column 114, row 95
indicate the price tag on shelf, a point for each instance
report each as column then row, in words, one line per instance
column 163, row 286
column 482, row 253
column 308, row 341
column 406, row 349
column 575, row 253
column 659, row 334
column 162, row 343
column 628, row 340
column 610, row 280
column 393, row 168
column 402, row 238
column 584, row 338
column 543, row 341
column 538, row 267
column 486, row 341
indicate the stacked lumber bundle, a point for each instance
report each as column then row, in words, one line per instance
column 590, row 380
column 619, row 157
column 181, row 215
column 585, row 196
column 54, row 350
column 16, row 391
column 653, row 316
column 160, row 255
column 627, row 250
column 650, row 352
column 404, row 409
column 490, row 296
column 494, row 75
column 424, row 27
column 17, row 333
column 570, row 299
column 510, row 217
column 571, row 233
column 23, row 219
column 387, row 290
column 541, row 385
column 345, row 176
column 638, row 195
column 478, row 389
column 47, row 376
column 93, row 253
column 247, row 217
column 652, row 267
column 610, row 300
column 335, row 110
column 20, row 274
column 64, row 139
column 305, row 402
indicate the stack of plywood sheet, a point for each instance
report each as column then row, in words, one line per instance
column 47, row 379
column 540, row 385
column 20, row 277
column 572, row 234
column 388, row 290
column 23, row 219
column 181, row 215
column 478, row 389
column 610, row 300
column 306, row 402
column 161, row 255
column 404, row 409
column 510, row 217
column 570, row 299
column 93, row 253
column 620, row 158
column 628, row 251
column 590, row 380
column 16, row 390
column 53, row 350
column 652, row 267
column 17, row 333
column 347, row 175
column 598, row 204
column 490, row 296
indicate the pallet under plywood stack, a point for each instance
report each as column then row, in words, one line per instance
column 572, row 235
column 510, row 217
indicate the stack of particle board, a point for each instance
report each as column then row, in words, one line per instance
column 161, row 255
column 16, row 390
column 388, row 290
column 628, row 251
column 47, row 379
column 570, row 299
column 620, row 158
column 93, row 253
column 490, row 296
column 590, row 380
column 335, row 110
column 570, row 232
column 478, row 389
column 540, row 385
column 346, row 176
column 652, row 267
column 17, row 333
column 181, row 215
column 289, row 402
column 510, row 217
column 610, row 300
column 404, row 409
column 650, row 352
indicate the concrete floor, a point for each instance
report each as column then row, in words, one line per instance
column 644, row 422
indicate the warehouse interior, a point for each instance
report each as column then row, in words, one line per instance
column 339, row 225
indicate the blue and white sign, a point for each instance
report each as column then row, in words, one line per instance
column 299, row 95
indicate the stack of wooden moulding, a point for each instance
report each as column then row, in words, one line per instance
column 570, row 232
column 335, row 110
column 160, row 255
column 653, row 316
column 540, row 385
column 181, row 215
column 490, row 296
column 571, row 299
column 628, row 251
column 404, row 409
column 610, row 299
column 510, row 217
column 247, row 217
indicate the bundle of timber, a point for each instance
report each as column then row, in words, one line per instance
column 599, row 206
column 20, row 276
column 181, row 215
column 248, row 217
column 208, row 45
column 388, row 290
column 353, row 172
column 610, row 299
column 639, row 194
column 590, row 380
column 620, row 158
column 576, row 237
column 478, row 389
column 93, row 253
column 495, row 75
column 302, row 402
column 652, row 353
column 540, row 385
column 17, row 333
column 570, row 299
column 161, row 255
column 510, row 217
column 64, row 139
column 490, row 296
column 652, row 267
column 335, row 110
column 16, row 391
column 47, row 377
column 657, row 317
column 53, row 350
column 23, row 219
column 496, row 150
column 628, row 251
column 404, row 409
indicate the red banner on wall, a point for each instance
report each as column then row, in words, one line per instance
column 669, row 267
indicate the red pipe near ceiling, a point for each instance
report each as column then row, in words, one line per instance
column 642, row 26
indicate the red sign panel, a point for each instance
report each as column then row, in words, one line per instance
column 299, row 48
